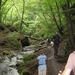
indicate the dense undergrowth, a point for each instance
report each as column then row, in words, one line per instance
column 29, row 65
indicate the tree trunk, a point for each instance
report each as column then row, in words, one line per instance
column 0, row 9
column 69, row 24
column 1, row 4
column 22, row 17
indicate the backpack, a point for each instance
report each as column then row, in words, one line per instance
column 57, row 39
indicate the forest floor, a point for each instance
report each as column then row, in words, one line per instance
column 53, row 67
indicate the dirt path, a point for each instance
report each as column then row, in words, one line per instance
column 53, row 67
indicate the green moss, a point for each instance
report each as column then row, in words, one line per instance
column 25, row 72
column 35, row 65
column 13, row 38
column 6, row 52
column 20, row 66
column 28, row 61
column 28, row 58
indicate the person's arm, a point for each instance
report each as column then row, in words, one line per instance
column 65, row 72
column 69, row 66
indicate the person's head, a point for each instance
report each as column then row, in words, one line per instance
column 56, row 33
column 41, row 52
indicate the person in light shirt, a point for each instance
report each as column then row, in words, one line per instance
column 42, row 67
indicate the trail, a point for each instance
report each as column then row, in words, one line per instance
column 53, row 67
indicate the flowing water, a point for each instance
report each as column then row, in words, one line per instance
column 8, row 67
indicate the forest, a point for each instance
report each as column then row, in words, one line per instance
column 31, row 19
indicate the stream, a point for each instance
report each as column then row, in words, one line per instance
column 8, row 67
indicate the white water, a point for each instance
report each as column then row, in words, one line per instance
column 8, row 67
column 5, row 69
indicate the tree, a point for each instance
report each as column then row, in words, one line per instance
column 66, row 8
column 1, row 5
column 22, row 16
column 59, row 26
column 0, row 9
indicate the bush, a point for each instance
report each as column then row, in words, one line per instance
column 28, row 58
column 13, row 38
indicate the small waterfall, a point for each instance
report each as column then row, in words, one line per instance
column 29, row 49
column 8, row 67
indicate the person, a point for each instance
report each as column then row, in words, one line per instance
column 56, row 40
column 52, row 43
column 48, row 41
column 70, row 66
column 42, row 36
column 42, row 67
column 30, row 34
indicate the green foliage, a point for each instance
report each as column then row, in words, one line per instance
column 28, row 58
column 13, row 35
column 1, row 34
column 25, row 72
column 21, row 66
column 34, row 14
column 6, row 52
column 13, row 38
column 37, row 16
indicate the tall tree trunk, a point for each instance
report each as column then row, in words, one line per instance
column 66, row 7
column 22, row 17
column 70, row 27
column 1, row 4
column 0, row 10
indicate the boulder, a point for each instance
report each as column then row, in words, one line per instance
column 25, row 42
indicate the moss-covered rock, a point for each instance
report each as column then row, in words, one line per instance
column 6, row 52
